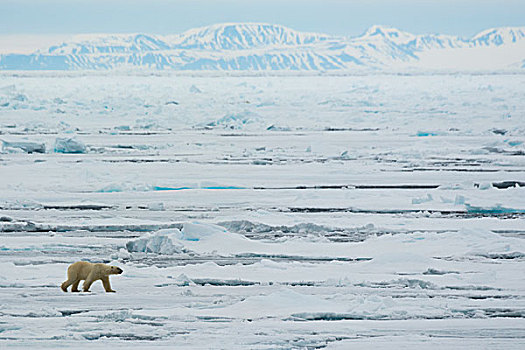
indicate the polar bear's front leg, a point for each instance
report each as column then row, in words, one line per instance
column 107, row 286
column 88, row 282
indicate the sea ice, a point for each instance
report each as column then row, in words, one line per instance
column 24, row 146
column 69, row 145
column 353, row 233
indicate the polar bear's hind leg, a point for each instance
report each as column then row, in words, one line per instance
column 65, row 285
column 74, row 288
column 71, row 279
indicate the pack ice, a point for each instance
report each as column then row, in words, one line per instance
column 296, row 211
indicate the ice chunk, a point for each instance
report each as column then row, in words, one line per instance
column 44, row 312
column 484, row 185
column 20, row 98
column 420, row 200
column 160, row 242
column 496, row 209
column 194, row 237
column 426, row 133
column 272, row 264
column 432, row 271
column 124, row 187
column 195, row 90
column 25, row 146
column 69, row 145
column 156, row 206
column 196, row 231
column 183, row 280
column 149, row 124
column 236, row 121
column 273, row 127
column 121, row 254
column 459, row 200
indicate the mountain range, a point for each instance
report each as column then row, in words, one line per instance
column 268, row 47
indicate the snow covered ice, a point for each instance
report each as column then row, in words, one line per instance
column 294, row 211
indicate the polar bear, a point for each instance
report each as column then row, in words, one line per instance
column 83, row 270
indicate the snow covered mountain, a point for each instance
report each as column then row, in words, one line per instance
column 109, row 44
column 243, row 36
column 258, row 46
column 500, row 36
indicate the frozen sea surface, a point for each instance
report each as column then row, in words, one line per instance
column 304, row 212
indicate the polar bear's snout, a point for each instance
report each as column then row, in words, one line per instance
column 116, row 270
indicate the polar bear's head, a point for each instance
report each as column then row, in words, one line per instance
column 115, row 270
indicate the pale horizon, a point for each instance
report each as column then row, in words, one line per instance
column 336, row 17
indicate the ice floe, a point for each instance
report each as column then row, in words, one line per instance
column 23, row 146
column 69, row 145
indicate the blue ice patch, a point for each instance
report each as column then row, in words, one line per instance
column 426, row 133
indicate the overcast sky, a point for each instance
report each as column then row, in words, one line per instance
column 342, row 17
